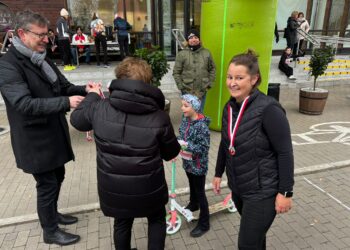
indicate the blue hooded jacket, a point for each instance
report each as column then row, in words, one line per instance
column 196, row 133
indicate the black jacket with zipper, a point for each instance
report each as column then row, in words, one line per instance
column 133, row 135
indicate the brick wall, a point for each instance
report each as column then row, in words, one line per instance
column 49, row 8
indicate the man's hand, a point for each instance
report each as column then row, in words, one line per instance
column 282, row 204
column 93, row 85
column 75, row 100
column 216, row 185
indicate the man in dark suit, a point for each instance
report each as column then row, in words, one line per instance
column 37, row 97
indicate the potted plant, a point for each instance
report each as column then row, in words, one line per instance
column 156, row 58
column 312, row 100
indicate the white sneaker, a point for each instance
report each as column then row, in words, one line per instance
column 291, row 77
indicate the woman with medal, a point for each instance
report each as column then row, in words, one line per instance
column 256, row 152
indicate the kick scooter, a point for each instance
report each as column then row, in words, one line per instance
column 173, row 219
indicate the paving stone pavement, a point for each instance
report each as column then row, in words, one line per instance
column 318, row 220
column 317, row 148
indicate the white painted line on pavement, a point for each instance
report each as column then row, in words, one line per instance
column 321, row 167
column 323, row 191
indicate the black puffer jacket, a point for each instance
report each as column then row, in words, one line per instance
column 133, row 135
column 253, row 171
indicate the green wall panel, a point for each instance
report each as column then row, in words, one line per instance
column 230, row 27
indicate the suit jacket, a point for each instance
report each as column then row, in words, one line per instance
column 36, row 111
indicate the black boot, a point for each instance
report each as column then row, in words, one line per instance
column 192, row 207
column 60, row 237
column 198, row 231
column 66, row 219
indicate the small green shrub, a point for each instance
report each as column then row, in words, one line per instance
column 157, row 59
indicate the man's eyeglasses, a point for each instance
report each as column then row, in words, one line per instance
column 41, row 36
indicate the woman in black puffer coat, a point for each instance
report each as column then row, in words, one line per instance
column 133, row 136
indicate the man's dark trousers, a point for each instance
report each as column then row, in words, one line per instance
column 123, row 45
column 48, row 187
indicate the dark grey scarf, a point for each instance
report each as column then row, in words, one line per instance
column 36, row 58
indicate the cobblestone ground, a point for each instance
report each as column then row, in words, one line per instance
column 17, row 190
column 317, row 221
column 320, row 219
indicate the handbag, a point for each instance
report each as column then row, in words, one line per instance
column 285, row 33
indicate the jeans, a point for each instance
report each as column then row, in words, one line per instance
column 156, row 231
column 198, row 197
column 86, row 53
column 256, row 219
column 48, row 187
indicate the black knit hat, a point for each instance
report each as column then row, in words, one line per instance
column 191, row 33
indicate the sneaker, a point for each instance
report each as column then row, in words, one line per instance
column 106, row 66
column 67, row 68
column 291, row 77
column 72, row 67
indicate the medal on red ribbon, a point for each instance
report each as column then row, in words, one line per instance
column 232, row 133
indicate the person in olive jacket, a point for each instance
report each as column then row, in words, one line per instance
column 194, row 69
column 37, row 97
column 133, row 136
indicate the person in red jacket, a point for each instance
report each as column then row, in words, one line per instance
column 80, row 38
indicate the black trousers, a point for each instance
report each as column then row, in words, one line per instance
column 156, row 231
column 295, row 50
column 101, row 40
column 288, row 71
column 198, row 197
column 256, row 219
column 64, row 48
column 48, row 187
column 123, row 46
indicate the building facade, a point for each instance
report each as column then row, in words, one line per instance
column 153, row 20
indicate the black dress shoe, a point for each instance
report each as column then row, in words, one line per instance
column 198, row 232
column 65, row 219
column 192, row 208
column 61, row 238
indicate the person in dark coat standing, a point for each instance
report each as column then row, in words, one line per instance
column 37, row 97
column 64, row 40
column 133, row 136
column 256, row 153
column 292, row 34
column 122, row 27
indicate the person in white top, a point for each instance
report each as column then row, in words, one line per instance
column 304, row 25
column 98, row 31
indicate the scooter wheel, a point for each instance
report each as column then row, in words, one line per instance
column 172, row 229
column 232, row 208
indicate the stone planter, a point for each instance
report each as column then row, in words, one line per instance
column 312, row 102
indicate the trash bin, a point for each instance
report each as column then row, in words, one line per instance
column 274, row 90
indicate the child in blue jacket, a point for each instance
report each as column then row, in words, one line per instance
column 195, row 140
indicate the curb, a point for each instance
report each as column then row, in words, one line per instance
column 181, row 191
